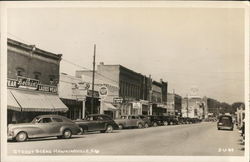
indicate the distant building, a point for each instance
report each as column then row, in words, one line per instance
column 159, row 98
column 32, row 78
column 174, row 104
column 135, row 91
column 193, row 107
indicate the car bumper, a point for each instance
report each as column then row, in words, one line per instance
column 225, row 127
column 9, row 138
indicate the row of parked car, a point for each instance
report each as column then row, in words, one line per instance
column 62, row 127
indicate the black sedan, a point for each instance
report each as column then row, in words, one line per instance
column 97, row 122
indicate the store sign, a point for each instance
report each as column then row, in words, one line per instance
column 96, row 94
column 136, row 105
column 103, row 91
column 12, row 83
column 84, row 85
column 117, row 100
column 27, row 83
column 46, row 88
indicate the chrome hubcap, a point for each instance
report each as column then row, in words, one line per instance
column 110, row 129
column 67, row 134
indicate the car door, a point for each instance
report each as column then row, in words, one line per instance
column 46, row 127
column 58, row 123
column 133, row 121
column 93, row 123
column 129, row 121
column 101, row 123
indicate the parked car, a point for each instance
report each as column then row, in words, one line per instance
column 97, row 122
column 130, row 121
column 184, row 120
column 43, row 126
column 146, row 120
column 225, row 122
column 155, row 120
column 173, row 120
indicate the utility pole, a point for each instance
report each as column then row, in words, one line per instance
column 93, row 82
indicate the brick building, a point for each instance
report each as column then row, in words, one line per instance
column 174, row 104
column 159, row 98
column 33, row 75
column 133, row 89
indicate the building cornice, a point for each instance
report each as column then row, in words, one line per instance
column 35, row 51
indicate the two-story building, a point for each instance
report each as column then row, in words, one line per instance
column 32, row 78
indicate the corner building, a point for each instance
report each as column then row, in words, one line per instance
column 32, row 78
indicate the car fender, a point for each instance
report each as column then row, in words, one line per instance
column 29, row 130
column 84, row 126
column 64, row 128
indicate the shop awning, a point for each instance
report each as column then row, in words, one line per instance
column 109, row 107
column 12, row 103
column 34, row 101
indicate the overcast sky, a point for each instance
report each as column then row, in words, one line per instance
column 187, row 47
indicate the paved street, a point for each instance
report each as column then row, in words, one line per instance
column 194, row 139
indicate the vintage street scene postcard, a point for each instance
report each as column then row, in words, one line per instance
column 125, row 81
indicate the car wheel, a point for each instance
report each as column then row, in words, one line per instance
column 109, row 129
column 21, row 137
column 165, row 123
column 146, row 125
column 171, row 123
column 120, row 126
column 67, row 134
column 140, row 126
column 155, row 124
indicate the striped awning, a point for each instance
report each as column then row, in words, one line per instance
column 37, row 101
column 12, row 103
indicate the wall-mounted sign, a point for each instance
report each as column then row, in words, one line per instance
column 136, row 105
column 96, row 94
column 47, row 88
column 12, row 83
column 117, row 100
column 103, row 91
column 29, row 83
column 83, row 85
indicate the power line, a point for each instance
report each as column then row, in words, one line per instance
column 74, row 64
column 89, row 70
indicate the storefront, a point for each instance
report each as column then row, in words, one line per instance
column 26, row 98
column 159, row 109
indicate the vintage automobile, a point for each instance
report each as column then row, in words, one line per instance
column 225, row 122
column 155, row 120
column 130, row 121
column 146, row 120
column 97, row 122
column 43, row 126
column 184, row 120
